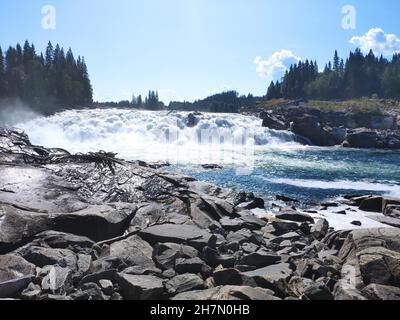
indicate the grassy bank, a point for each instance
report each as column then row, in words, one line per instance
column 364, row 105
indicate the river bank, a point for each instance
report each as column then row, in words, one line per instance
column 91, row 226
column 354, row 127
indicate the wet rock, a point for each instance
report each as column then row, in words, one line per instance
column 180, row 234
column 271, row 122
column 227, row 293
column 285, row 199
column 140, row 287
column 309, row 126
column 282, row 227
column 256, row 203
column 191, row 120
column 363, row 138
column 372, row 204
column 212, row 166
column 183, row 283
column 293, row 215
column 356, row 223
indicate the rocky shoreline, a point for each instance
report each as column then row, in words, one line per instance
column 93, row 227
column 334, row 128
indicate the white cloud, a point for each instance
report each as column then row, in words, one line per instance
column 379, row 41
column 275, row 66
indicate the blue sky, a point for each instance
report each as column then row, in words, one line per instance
column 188, row 49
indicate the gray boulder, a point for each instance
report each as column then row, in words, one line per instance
column 140, row 287
column 181, row 234
column 58, row 280
column 183, row 283
column 293, row 215
column 227, row 293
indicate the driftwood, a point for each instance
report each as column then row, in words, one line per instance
column 101, row 159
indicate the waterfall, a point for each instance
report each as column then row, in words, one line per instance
column 156, row 136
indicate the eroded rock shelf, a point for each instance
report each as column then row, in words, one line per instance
column 93, row 227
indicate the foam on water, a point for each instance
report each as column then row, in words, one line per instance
column 389, row 188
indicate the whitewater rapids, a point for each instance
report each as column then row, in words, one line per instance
column 159, row 136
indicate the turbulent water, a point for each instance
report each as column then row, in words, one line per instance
column 254, row 158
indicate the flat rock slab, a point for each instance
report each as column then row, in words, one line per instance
column 181, row 234
column 15, row 274
column 260, row 259
column 183, row 283
column 293, row 215
column 227, row 293
column 10, row 288
column 95, row 222
column 140, row 287
column 273, row 277
column 13, row 267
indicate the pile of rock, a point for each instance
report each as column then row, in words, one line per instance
column 336, row 128
column 81, row 231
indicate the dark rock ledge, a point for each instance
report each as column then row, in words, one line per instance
column 333, row 128
column 91, row 227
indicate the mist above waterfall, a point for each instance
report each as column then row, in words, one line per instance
column 158, row 136
column 14, row 111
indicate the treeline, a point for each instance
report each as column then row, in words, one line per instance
column 225, row 102
column 358, row 76
column 151, row 102
column 47, row 83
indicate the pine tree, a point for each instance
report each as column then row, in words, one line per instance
column 271, row 93
column 336, row 62
column 49, row 59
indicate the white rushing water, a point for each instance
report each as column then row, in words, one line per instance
column 158, row 136
column 392, row 190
